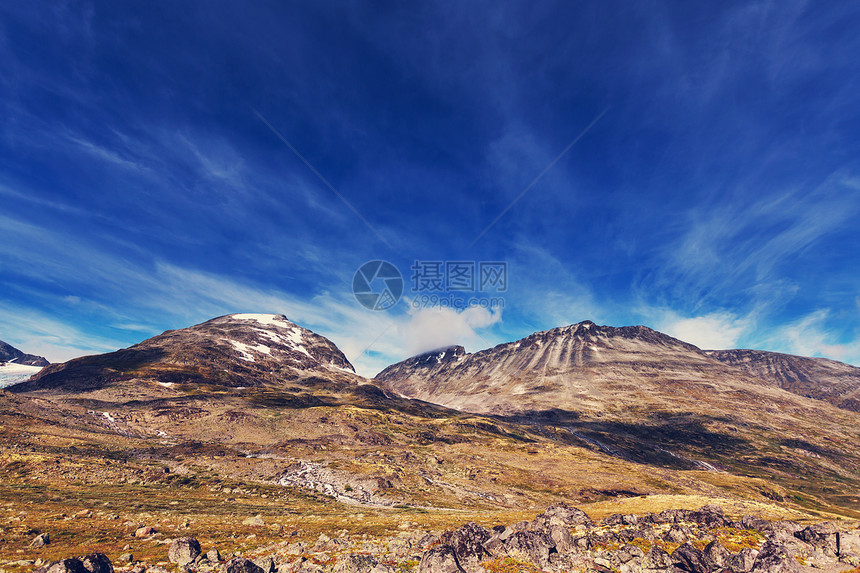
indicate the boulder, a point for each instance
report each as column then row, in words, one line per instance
column 671, row 516
column 267, row 564
column 820, row 535
column 849, row 541
column 440, row 559
column 41, row 540
column 755, row 523
column 355, row 563
column 743, row 561
column 689, row 558
column 656, row 558
column 468, row 542
column 92, row 563
column 213, row 556
column 717, row 554
column 531, row 546
column 97, row 563
column 677, row 534
column 240, row 565
column 62, row 566
column 775, row 558
column 183, row 550
column 495, row 546
column 709, row 516
column 144, row 531
column 562, row 540
column 563, row 514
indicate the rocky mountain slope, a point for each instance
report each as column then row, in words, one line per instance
column 818, row 378
column 583, row 367
column 9, row 353
column 642, row 396
column 251, row 414
column 234, row 351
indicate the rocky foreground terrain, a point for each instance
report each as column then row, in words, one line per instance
column 562, row 538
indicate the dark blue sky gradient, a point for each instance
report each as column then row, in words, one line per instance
column 716, row 199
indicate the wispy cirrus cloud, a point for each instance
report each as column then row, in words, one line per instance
column 744, row 245
column 712, row 331
column 816, row 334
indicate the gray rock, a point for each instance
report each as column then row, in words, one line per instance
column 820, row 535
column 743, row 561
column 677, row 534
column 62, row 566
column 717, row 554
column 671, row 516
column 562, row 540
column 468, row 542
column 183, row 550
column 755, row 523
column 240, row 565
column 495, row 546
column 440, row 559
column 689, row 558
column 354, row 563
column 849, row 541
column 709, row 515
column 563, row 514
column 213, row 556
column 852, row 559
column 656, row 558
column 632, row 551
column 41, row 540
column 267, row 564
column 775, row 558
column 427, row 540
column 531, row 546
column 126, row 558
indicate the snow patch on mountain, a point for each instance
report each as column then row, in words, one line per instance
column 245, row 350
column 12, row 373
column 292, row 338
column 268, row 319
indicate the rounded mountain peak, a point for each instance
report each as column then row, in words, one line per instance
column 235, row 350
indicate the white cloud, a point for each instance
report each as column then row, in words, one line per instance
column 38, row 333
column 811, row 336
column 431, row 328
column 714, row 331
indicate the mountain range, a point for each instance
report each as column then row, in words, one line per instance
column 581, row 412
column 587, row 368
column 9, row 353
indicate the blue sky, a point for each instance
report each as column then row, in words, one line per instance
column 712, row 193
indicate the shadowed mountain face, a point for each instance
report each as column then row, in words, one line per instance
column 9, row 353
column 238, row 350
column 818, row 378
